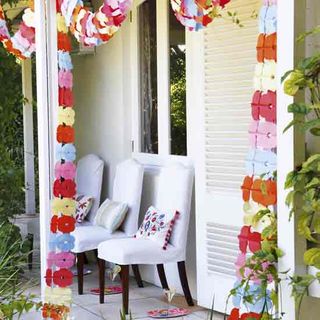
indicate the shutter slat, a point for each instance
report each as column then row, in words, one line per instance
column 229, row 61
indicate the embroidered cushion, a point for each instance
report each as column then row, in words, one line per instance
column 157, row 226
column 84, row 204
column 111, row 214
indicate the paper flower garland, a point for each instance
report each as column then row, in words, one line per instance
column 96, row 28
column 259, row 189
column 22, row 44
column 93, row 28
column 197, row 14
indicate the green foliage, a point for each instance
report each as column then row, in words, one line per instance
column 11, row 138
column 10, row 2
column 304, row 182
column 13, row 257
column 178, row 100
column 124, row 317
column 305, row 77
column 262, row 265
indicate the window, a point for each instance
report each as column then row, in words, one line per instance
column 148, row 76
column 178, row 119
column 161, row 75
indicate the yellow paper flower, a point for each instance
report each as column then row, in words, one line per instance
column 58, row 296
column 66, row 116
column 250, row 210
column 61, row 24
column 265, row 77
column 29, row 18
column 63, row 206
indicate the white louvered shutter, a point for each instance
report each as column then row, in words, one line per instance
column 229, row 60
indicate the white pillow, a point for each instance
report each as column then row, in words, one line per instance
column 157, row 226
column 110, row 215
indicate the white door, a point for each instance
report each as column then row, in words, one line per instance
column 220, row 64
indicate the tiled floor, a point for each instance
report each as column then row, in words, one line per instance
column 87, row 307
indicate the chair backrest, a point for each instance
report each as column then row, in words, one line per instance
column 89, row 180
column 127, row 188
column 175, row 193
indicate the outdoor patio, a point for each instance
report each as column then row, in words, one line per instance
column 87, row 307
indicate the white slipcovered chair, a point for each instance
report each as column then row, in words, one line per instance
column 174, row 193
column 127, row 188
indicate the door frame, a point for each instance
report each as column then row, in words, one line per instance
column 163, row 74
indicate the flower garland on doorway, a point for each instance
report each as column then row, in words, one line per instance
column 59, row 278
column 256, row 267
column 90, row 29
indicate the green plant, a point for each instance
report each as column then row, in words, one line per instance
column 13, row 254
column 304, row 182
column 261, row 267
column 124, row 317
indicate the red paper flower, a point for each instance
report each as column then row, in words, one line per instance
column 65, row 134
column 66, row 97
column 64, row 42
column 61, row 278
column 264, row 105
column 235, row 314
column 64, row 188
column 64, row 224
column 250, row 316
column 249, row 239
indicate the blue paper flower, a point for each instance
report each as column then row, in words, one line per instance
column 64, row 60
column 268, row 19
column 259, row 299
column 65, row 152
column 261, row 162
column 237, row 297
column 63, row 242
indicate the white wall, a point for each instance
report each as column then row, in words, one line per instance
column 100, row 111
column 103, row 126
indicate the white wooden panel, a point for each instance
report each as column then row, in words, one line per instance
column 220, row 69
column 229, row 60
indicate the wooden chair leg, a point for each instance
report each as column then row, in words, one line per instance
column 184, row 282
column 125, row 288
column 80, row 264
column 85, row 258
column 137, row 275
column 95, row 251
column 162, row 276
column 102, row 271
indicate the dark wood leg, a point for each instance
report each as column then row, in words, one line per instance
column 162, row 276
column 102, row 271
column 125, row 288
column 80, row 263
column 184, row 282
column 96, row 254
column 85, row 258
column 137, row 275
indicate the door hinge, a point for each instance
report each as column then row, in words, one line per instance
column 130, row 16
column 132, row 145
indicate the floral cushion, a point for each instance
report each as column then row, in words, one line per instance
column 84, row 204
column 157, row 226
